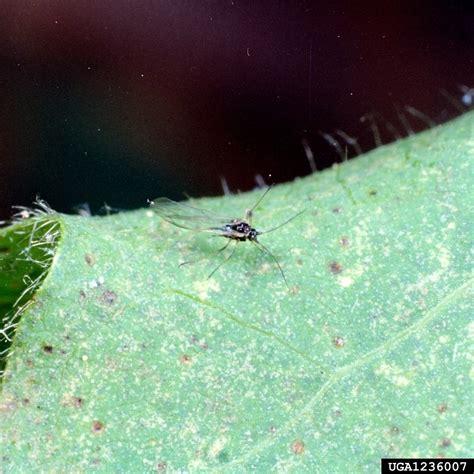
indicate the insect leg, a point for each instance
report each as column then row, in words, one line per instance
column 203, row 258
column 225, row 260
column 264, row 249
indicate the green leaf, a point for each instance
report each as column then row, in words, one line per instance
column 126, row 362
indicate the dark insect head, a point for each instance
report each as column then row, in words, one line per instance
column 253, row 235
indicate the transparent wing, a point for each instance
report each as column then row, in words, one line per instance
column 188, row 217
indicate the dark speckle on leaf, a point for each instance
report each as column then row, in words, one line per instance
column 344, row 241
column 48, row 349
column 335, row 267
column 185, row 359
column 97, row 426
column 298, row 446
column 339, row 342
column 161, row 466
column 77, row 402
column 109, row 297
column 444, row 443
column 90, row 259
column 73, row 402
column 442, row 407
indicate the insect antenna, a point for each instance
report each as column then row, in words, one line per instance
column 282, row 224
column 264, row 249
column 249, row 212
column 261, row 198
column 223, row 261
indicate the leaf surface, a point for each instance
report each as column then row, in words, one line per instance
column 126, row 362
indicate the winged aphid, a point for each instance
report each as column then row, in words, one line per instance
column 201, row 220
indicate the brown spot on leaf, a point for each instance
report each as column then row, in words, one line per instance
column 26, row 401
column 442, row 407
column 339, row 342
column 90, row 259
column 97, row 427
column 161, row 466
column 372, row 192
column 336, row 210
column 73, row 401
column 344, row 242
column 297, row 446
column 444, row 443
column 185, row 359
column 48, row 349
column 77, row 402
column 335, row 267
column 109, row 297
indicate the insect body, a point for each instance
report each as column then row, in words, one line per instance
column 240, row 230
column 200, row 220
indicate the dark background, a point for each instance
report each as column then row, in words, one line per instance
column 119, row 101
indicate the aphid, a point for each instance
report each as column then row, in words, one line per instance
column 200, row 220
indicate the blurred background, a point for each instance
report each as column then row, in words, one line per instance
column 119, row 101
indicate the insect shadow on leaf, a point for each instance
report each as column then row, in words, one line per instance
column 201, row 220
